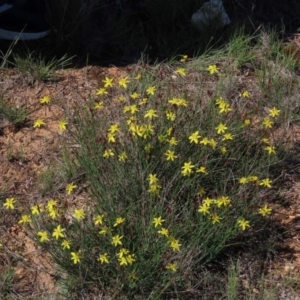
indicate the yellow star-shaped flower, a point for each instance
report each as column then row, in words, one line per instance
column 108, row 82
column 45, row 100
column 43, row 236
column 62, row 125
column 213, row 69
column 180, row 71
column 157, row 221
column 274, row 112
column 38, row 123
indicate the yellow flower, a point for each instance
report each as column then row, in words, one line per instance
column 51, row 204
column 131, row 120
column 153, row 179
column 252, row 178
column 154, row 189
column 245, row 94
column 223, row 201
column 116, row 240
column 70, row 187
column 215, row 218
column 243, row 180
column 114, row 128
column 213, row 143
column 267, row 122
column 122, row 98
column 98, row 220
column 204, row 141
column 104, row 230
column 220, row 101
column 122, row 252
column 111, row 137
column 223, row 149
column 98, row 105
column 170, row 115
column 224, row 108
column 208, row 201
column 66, row 244
column 178, row 102
column 174, row 244
column 36, row 209
column 201, row 192
column 266, row 182
column 130, row 108
column 243, row 224
column 163, row 231
column 270, row 149
column 108, row 82
column 24, row 219
column 144, row 101
column 247, row 122
column 107, row 153
column 38, row 123
column 202, row 170
column 45, row 100
column 103, row 258
column 9, row 203
column 58, row 232
column 184, row 58
column 194, row 137
column 227, row 136
column 53, row 213
column 75, row 256
column 101, row 91
column 125, row 258
column 138, row 77
column 122, row 156
column 221, row 128
column 170, row 155
column 62, row 125
column 265, row 210
column 151, row 90
column 43, row 236
column 79, row 214
column 130, row 259
column 274, row 112
column 265, row 140
column 151, row 113
column 135, row 95
column 213, row 69
column 180, row 71
column 148, row 147
column 172, row 267
column 204, row 209
column 187, row 169
column 123, row 261
column 172, row 141
column 119, row 221
column 123, row 82
column 157, row 221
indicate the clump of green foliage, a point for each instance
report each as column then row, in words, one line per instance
column 173, row 175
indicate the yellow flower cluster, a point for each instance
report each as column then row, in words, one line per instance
column 154, row 186
column 266, row 182
column 172, row 242
column 223, row 105
column 208, row 204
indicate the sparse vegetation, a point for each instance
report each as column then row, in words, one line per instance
column 14, row 115
column 37, row 68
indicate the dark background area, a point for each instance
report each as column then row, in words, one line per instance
column 120, row 31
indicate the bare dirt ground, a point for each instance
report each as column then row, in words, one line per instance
column 25, row 153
